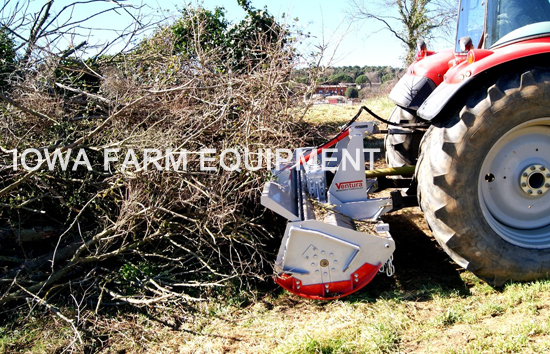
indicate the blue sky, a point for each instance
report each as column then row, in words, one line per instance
column 326, row 20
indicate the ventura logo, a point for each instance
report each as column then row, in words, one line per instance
column 344, row 186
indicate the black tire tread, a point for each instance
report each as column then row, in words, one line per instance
column 445, row 159
column 402, row 149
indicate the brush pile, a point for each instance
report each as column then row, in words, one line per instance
column 97, row 200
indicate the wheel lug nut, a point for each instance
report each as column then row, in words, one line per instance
column 547, row 185
column 539, row 192
column 532, row 168
column 525, row 174
column 543, row 168
column 530, row 191
column 523, row 184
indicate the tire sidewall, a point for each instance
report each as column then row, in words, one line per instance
column 487, row 253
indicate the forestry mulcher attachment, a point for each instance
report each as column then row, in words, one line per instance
column 321, row 255
column 475, row 121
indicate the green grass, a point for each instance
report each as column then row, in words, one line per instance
column 420, row 318
column 36, row 333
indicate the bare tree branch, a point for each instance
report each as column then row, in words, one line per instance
column 36, row 28
column 415, row 20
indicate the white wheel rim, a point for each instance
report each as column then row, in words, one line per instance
column 514, row 184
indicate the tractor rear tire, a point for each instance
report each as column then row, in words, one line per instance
column 484, row 181
column 402, row 149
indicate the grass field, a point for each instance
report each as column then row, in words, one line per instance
column 430, row 318
column 429, row 306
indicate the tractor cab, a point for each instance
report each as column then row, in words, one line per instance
column 507, row 21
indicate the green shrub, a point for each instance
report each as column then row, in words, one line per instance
column 352, row 92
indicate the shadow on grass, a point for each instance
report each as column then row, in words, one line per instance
column 422, row 269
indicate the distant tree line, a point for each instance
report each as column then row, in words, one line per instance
column 361, row 75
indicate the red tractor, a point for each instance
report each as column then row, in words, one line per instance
column 476, row 123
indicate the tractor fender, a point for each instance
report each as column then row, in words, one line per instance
column 421, row 79
column 482, row 63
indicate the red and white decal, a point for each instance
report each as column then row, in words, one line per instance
column 346, row 186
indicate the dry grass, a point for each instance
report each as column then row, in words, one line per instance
column 327, row 114
column 516, row 319
column 325, row 121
